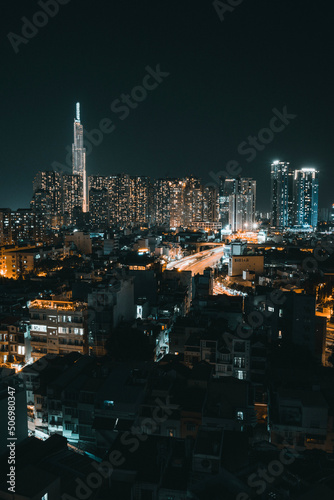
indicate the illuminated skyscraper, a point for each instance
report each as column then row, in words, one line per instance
column 140, row 200
column 51, row 182
column 161, row 208
column 227, row 188
column 210, row 204
column 72, row 196
column 306, row 191
column 242, row 204
column 99, row 208
column 79, row 157
column 176, row 192
column 193, row 202
column 247, row 187
column 41, row 206
column 123, row 199
column 280, row 194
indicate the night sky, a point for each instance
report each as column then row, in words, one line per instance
column 225, row 78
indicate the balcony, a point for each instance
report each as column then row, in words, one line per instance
column 54, row 412
column 37, row 351
column 55, row 425
column 35, row 341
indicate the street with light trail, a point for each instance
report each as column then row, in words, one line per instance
column 197, row 262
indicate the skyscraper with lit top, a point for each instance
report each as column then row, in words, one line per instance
column 79, row 158
column 306, row 193
column 280, row 193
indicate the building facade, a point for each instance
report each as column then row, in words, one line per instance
column 57, row 327
column 280, row 193
column 306, row 194
column 242, row 205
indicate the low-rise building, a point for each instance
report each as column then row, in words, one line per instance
column 57, row 327
column 12, row 342
column 15, row 262
column 299, row 418
column 238, row 264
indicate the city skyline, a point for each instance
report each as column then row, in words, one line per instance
column 81, row 181
column 217, row 94
column 78, row 161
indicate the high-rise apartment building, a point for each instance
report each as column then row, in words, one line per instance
column 161, row 204
column 72, row 196
column 306, row 194
column 122, row 194
column 176, row 207
column 280, row 194
column 226, row 189
column 140, row 200
column 210, row 204
column 51, row 182
column 99, row 208
column 242, row 205
column 41, row 207
column 5, row 226
column 23, row 225
column 247, row 187
column 129, row 198
column 291, row 207
column 17, row 226
column 193, row 202
column 99, row 183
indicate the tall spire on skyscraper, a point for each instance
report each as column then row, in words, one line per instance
column 79, row 157
column 78, row 112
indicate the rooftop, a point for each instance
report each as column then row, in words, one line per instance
column 61, row 305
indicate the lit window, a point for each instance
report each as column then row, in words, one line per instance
column 108, row 404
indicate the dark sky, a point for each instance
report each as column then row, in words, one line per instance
column 225, row 77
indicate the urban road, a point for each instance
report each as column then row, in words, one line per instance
column 197, row 262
